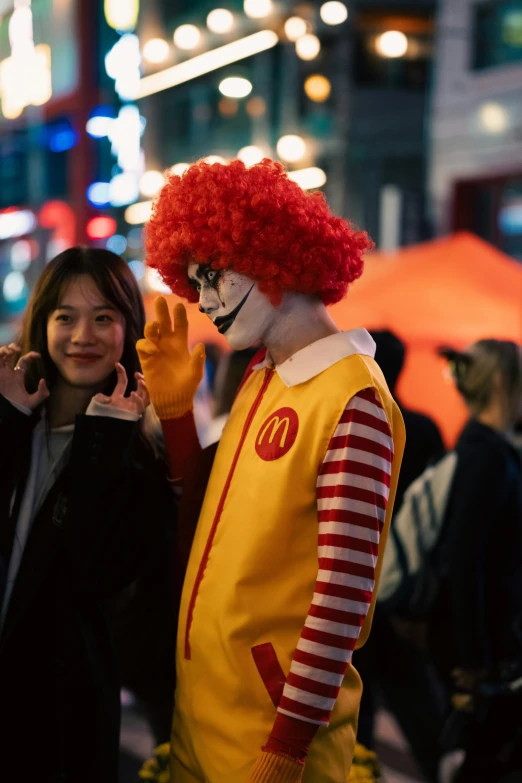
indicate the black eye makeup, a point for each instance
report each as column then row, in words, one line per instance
column 206, row 274
column 212, row 276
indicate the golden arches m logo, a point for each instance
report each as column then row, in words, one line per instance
column 277, row 434
column 275, row 422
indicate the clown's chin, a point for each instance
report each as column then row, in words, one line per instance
column 239, row 340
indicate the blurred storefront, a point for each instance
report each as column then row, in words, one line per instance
column 47, row 85
column 476, row 139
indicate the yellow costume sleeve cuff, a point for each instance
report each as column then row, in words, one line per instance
column 274, row 768
column 168, row 406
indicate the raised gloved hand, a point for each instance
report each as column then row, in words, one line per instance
column 276, row 768
column 172, row 373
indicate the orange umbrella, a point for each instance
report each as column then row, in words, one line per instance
column 455, row 290
column 450, row 291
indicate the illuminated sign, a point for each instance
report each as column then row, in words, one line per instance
column 39, row 53
column 25, row 76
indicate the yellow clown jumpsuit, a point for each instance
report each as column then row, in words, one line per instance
column 252, row 572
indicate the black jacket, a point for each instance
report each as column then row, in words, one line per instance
column 59, row 682
column 423, row 446
column 483, row 550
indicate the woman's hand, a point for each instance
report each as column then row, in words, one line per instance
column 171, row 371
column 138, row 400
column 12, row 377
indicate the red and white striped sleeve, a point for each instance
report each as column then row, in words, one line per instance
column 352, row 492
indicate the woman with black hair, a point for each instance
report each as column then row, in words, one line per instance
column 82, row 495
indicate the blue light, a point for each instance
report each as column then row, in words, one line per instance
column 62, row 141
column 135, row 238
column 510, row 218
column 98, row 194
column 138, row 269
column 14, row 292
column 117, row 244
column 102, row 111
column 61, row 136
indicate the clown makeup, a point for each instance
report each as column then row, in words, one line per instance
column 233, row 303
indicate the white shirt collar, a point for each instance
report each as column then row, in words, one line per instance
column 319, row 356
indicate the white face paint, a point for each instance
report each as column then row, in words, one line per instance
column 234, row 303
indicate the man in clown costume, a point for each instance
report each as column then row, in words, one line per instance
column 282, row 574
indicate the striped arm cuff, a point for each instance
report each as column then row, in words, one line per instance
column 291, row 737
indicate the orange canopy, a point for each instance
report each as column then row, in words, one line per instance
column 450, row 291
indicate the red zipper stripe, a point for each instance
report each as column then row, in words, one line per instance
column 219, row 510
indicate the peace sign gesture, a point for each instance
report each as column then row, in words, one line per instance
column 172, row 373
column 12, row 377
column 138, row 400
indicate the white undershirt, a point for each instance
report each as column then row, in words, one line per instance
column 48, row 456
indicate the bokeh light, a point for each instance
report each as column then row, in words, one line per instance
column 391, row 44
column 493, row 117
column 100, row 227
column 235, row 87
column 21, row 255
column 257, row 9
column 99, row 194
column 295, row 27
column 228, row 107
column 334, row 12
column 308, row 47
column 117, row 244
column 179, row 168
column 154, row 281
column 137, row 268
column 318, row 88
column 151, row 183
column 220, row 20
column 214, row 159
column 291, row 148
column 256, row 106
column 251, row 155
column 156, row 50
column 14, row 287
column 135, row 238
column 187, row 36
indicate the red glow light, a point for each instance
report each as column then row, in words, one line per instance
column 101, row 227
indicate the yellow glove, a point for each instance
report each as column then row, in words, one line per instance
column 172, row 373
column 275, row 768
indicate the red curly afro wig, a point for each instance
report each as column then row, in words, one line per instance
column 257, row 222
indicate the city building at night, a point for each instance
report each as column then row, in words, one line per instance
column 476, row 137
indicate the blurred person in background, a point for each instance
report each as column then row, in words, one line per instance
column 404, row 678
column 477, row 627
column 425, row 442
column 203, row 401
column 229, row 373
column 82, row 497
column 516, row 437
